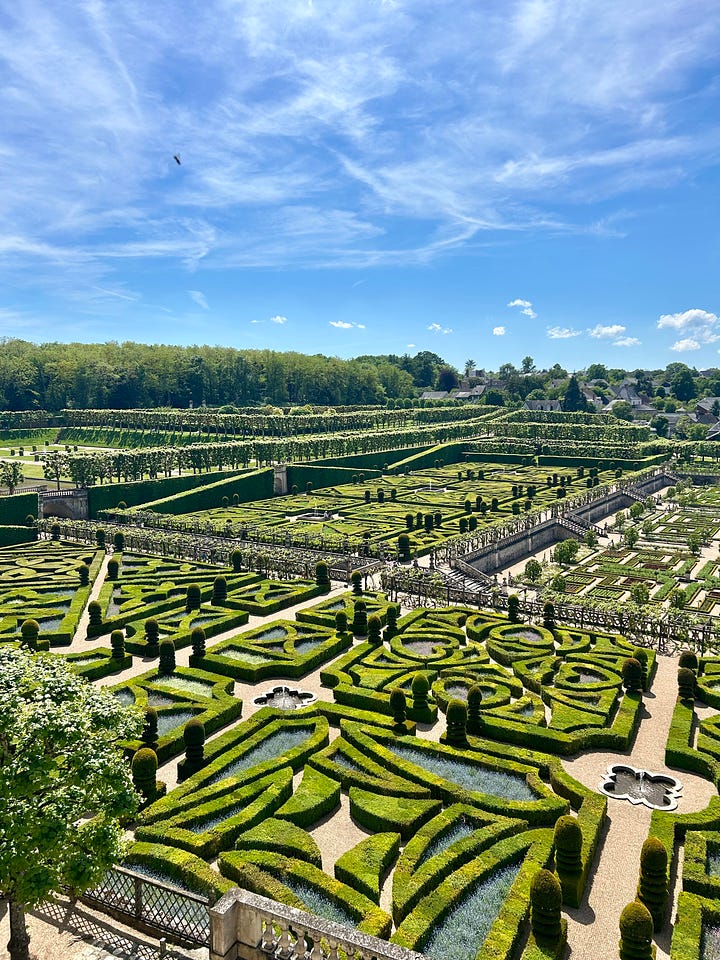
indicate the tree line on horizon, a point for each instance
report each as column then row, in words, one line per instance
column 54, row 376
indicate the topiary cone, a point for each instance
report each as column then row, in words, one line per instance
column 653, row 885
column 568, row 845
column 457, row 723
column 636, row 932
column 545, row 903
column 144, row 770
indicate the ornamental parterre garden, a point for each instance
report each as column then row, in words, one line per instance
column 430, row 786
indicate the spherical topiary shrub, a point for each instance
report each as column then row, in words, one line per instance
column 360, row 619
column 117, row 642
column 29, row 631
column 95, row 613
column 149, row 735
column 194, row 739
column 632, row 675
column 688, row 658
column 55, row 531
column 457, row 723
column 113, row 569
column 514, row 608
column 119, row 541
column 122, row 505
column 236, row 561
column 84, row 574
column 341, row 621
column 356, row 581
column 144, row 771
column 549, row 615
column 374, row 626
column 219, row 591
column 420, row 688
column 152, row 637
column 653, row 886
column 545, row 902
column 474, row 699
column 636, row 932
column 391, row 619
column 193, row 597
column 167, row 657
column 322, row 575
column 568, row 846
column 100, row 537
column 398, row 706
column 197, row 638
column 686, row 683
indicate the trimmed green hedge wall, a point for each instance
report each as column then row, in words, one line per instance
column 14, row 509
column 134, row 493
column 11, row 535
column 256, row 485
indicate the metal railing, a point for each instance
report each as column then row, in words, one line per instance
column 179, row 913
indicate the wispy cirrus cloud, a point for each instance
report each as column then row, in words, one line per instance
column 438, row 328
column 199, row 298
column 499, row 331
column 409, row 138
column 561, row 333
column 278, row 319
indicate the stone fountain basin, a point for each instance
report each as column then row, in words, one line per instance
column 285, row 698
column 658, row 791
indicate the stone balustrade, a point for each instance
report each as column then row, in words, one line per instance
column 247, row 926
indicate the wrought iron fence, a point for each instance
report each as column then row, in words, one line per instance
column 171, row 910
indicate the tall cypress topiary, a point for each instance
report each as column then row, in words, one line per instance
column 636, row 932
column 236, row 561
column 152, row 637
column 420, row 689
column 219, row 591
column 474, row 720
column 322, row 575
column 514, row 608
column 144, row 772
column 149, row 735
column 193, row 597
column 398, row 707
column 95, row 613
column 194, row 739
column 545, row 903
column 360, row 619
column 167, row 657
column 117, row 642
column 686, row 683
column 197, row 638
column 568, row 846
column 84, row 574
column 456, row 723
column 653, row 885
column 374, row 626
column 341, row 621
column 356, row 581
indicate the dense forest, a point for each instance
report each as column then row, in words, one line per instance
column 121, row 376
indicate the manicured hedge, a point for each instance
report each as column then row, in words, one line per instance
column 107, row 496
column 379, row 813
column 369, row 917
column 256, row 485
column 14, row 509
column 237, row 812
column 103, row 664
column 316, row 797
column 182, row 868
column 364, row 866
column 12, row 535
column 693, row 913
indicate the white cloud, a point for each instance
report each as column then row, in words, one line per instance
column 199, row 299
column 409, row 346
column 626, row 342
column 437, row 328
column 689, row 343
column 498, row 331
column 256, row 321
column 561, row 333
column 344, row 325
column 526, row 307
column 689, row 318
column 278, row 319
column 600, row 331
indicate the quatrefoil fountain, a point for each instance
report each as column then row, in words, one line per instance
column 283, row 698
column 659, row 791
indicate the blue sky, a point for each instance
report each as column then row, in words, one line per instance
column 481, row 179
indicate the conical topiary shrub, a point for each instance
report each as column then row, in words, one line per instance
column 193, row 597
column 194, row 739
column 632, row 675
column 356, row 581
column 197, row 638
column 113, row 568
column 149, row 735
column 374, row 626
column 686, row 683
column 653, row 886
column 360, row 619
column 398, row 707
column 341, row 621
column 322, row 574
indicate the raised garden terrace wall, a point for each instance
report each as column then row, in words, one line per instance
column 358, row 461
column 140, row 491
column 300, row 475
column 600, row 509
column 504, row 553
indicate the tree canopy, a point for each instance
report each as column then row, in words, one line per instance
column 63, row 782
